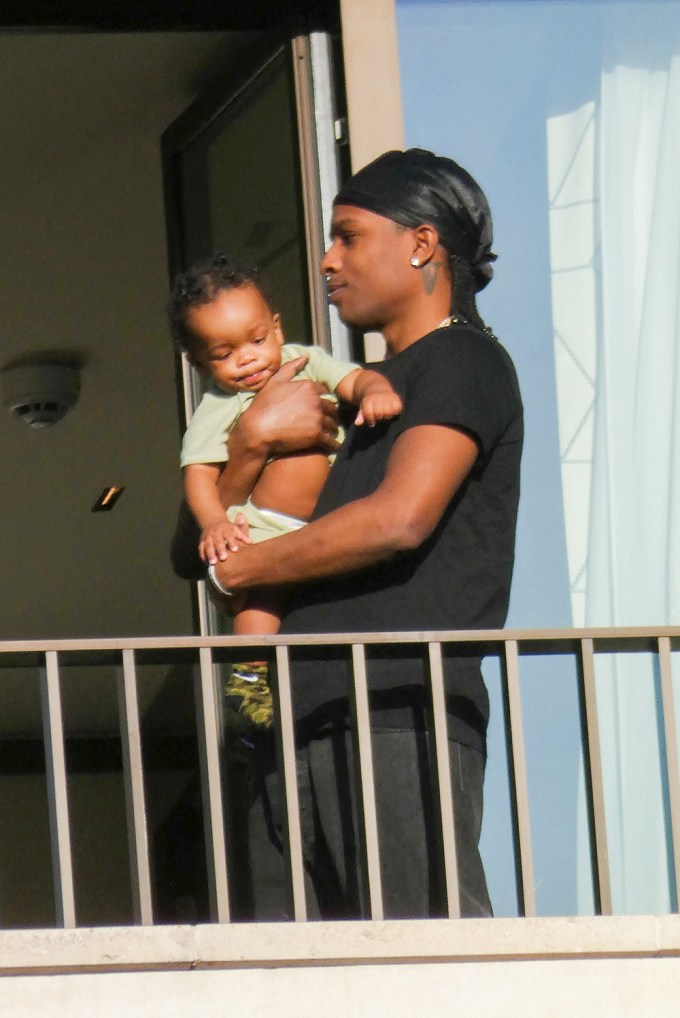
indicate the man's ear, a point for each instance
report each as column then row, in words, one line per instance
column 425, row 243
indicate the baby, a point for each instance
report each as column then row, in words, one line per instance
column 221, row 316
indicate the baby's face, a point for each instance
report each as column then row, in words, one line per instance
column 237, row 339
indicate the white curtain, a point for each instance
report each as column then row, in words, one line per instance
column 614, row 173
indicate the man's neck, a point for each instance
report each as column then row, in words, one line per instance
column 417, row 322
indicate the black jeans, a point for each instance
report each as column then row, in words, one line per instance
column 408, row 830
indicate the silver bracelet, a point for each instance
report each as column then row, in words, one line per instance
column 216, row 583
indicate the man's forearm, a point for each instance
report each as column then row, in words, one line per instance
column 344, row 541
column 427, row 466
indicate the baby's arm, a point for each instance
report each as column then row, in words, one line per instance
column 200, row 489
column 373, row 394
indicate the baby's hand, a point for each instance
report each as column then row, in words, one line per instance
column 221, row 537
column 379, row 406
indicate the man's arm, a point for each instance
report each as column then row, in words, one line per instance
column 286, row 416
column 426, row 467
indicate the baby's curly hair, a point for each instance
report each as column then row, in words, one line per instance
column 201, row 284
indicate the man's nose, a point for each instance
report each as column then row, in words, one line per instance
column 330, row 262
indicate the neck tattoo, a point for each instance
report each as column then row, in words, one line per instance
column 430, row 271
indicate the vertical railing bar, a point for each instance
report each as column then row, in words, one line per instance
column 518, row 778
column 443, row 764
column 595, row 788
column 671, row 739
column 133, row 773
column 309, row 179
column 289, row 763
column 367, row 781
column 211, row 785
column 57, row 791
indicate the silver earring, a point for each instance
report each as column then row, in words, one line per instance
column 415, row 262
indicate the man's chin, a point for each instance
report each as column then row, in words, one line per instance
column 357, row 321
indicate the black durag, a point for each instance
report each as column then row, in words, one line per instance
column 416, row 187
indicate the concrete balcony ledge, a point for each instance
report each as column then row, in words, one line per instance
column 533, row 968
column 274, row 945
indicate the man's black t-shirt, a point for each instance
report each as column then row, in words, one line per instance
column 459, row 578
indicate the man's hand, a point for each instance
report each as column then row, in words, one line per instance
column 220, row 537
column 287, row 416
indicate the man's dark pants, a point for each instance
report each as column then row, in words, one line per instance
column 408, row 828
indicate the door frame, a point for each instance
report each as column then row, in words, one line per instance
column 169, row 16
column 319, row 157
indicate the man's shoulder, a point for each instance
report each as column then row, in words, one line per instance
column 461, row 337
column 463, row 348
column 459, row 377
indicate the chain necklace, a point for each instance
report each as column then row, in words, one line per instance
column 453, row 320
column 460, row 320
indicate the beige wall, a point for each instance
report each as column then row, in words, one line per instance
column 540, row 968
column 83, row 268
column 369, row 36
column 587, row 989
column 100, row 853
column 372, row 80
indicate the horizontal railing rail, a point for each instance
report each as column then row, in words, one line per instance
column 203, row 653
column 558, row 640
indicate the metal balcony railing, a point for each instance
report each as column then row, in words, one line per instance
column 203, row 654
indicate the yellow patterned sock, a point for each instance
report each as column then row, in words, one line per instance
column 247, row 691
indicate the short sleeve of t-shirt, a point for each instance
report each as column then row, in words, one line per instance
column 205, row 438
column 462, row 379
column 320, row 367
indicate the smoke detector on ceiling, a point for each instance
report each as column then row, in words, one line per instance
column 40, row 394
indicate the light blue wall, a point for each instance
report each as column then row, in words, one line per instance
column 479, row 81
